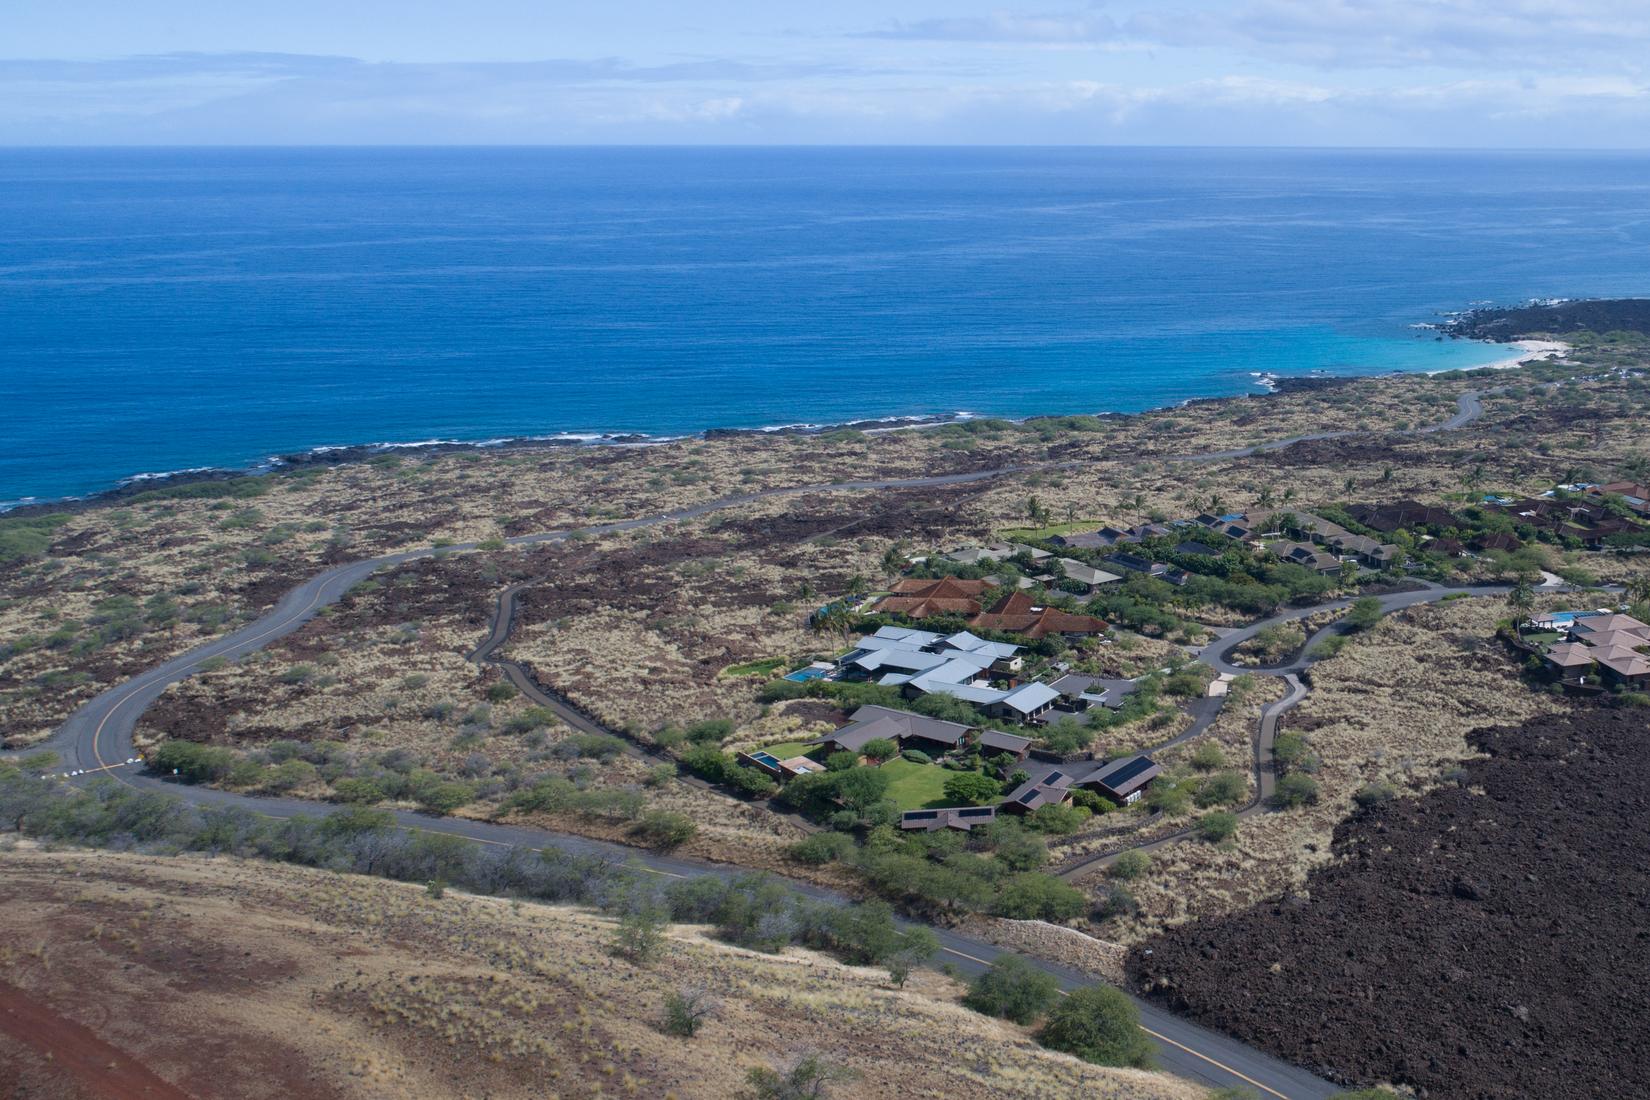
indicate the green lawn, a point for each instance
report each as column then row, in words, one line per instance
column 1022, row 534
column 765, row 667
column 1545, row 638
column 917, row 786
column 787, row 749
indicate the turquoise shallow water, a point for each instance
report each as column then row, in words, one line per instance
column 163, row 309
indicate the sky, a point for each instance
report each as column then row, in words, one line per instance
column 1410, row 73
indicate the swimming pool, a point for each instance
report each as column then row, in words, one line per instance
column 803, row 675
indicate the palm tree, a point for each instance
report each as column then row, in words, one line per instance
column 1637, row 467
column 835, row 618
column 1522, row 600
column 1638, row 589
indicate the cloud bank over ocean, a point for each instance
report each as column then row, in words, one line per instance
column 1504, row 73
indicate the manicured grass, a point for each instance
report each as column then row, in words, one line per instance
column 1020, row 534
column 787, row 749
column 917, row 786
column 765, row 667
column 1546, row 638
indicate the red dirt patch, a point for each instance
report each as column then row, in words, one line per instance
column 75, row 1050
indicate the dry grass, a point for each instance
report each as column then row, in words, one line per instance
column 1395, row 707
column 277, row 981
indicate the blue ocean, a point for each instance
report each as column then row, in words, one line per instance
column 163, row 309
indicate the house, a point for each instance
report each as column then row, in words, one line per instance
column 1299, row 553
column 916, row 598
column 1449, row 547
column 1376, row 555
column 914, row 731
column 997, row 743
column 1387, row 518
column 1134, row 563
column 1570, row 659
column 1051, row 790
column 1085, row 540
column 1018, row 613
column 1086, row 575
column 962, row 818
column 1079, row 692
column 1499, row 540
column 1197, row 549
column 1124, row 780
column 1024, row 704
column 1593, row 626
column 1635, row 495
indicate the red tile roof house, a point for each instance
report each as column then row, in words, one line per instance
column 1018, row 613
column 921, row 599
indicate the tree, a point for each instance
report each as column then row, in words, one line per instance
column 1100, row 1025
column 913, row 947
column 859, row 788
column 1638, row 589
column 1012, row 989
column 1364, row 613
column 686, row 1010
column 971, row 788
column 806, row 1077
column 1522, row 599
column 1033, row 895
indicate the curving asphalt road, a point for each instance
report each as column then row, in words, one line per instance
column 97, row 738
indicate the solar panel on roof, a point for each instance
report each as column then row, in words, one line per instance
column 982, row 811
column 1053, row 777
column 1028, row 796
column 922, row 815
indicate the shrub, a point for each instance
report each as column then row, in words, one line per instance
column 1016, row 848
column 664, row 829
column 1168, row 798
column 1012, row 989
column 1217, row 826
column 1057, row 820
column 191, row 762
column 821, row 848
column 501, row 692
column 749, row 782
column 1032, row 895
column 709, row 730
column 1208, row 757
column 1222, row 789
column 971, row 788
column 1098, row 1024
column 807, row 1077
column 1292, row 752
column 859, row 788
column 1116, row 902
column 444, row 798
column 1092, row 801
column 640, row 936
column 917, row 756
column 1295, row 790
column 1130, row 865
column 879, row 749
column 686, row 1010
column 1372, row 794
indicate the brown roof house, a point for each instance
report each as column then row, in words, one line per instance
column 921, row 599
column 1018, row 613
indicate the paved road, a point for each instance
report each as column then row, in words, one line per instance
column 98, row 738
